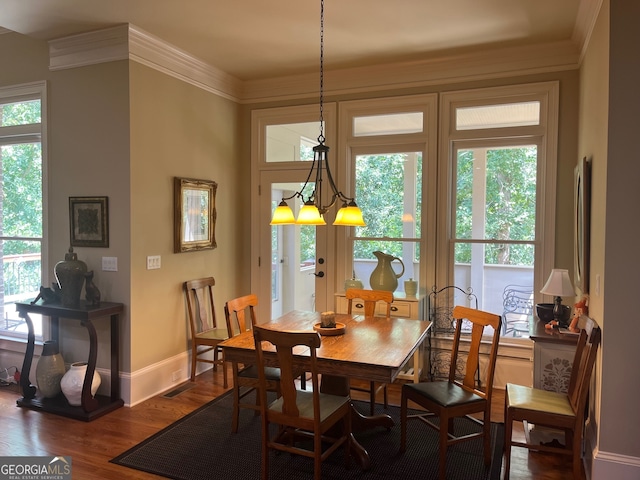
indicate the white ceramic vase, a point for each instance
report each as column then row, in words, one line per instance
column 72, row 381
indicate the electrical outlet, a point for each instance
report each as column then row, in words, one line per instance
column 153, row 262
column 109, row 264
column 175, row 376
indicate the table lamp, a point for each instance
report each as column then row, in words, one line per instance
column 559, row 285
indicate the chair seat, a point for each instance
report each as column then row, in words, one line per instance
column 445, row 394
column 271, row 373
column 214, row 334
column 538, row 400
column 304, row 401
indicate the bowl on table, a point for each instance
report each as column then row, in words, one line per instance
column 544, row 311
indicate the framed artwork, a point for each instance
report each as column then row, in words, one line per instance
column 194, row 214
column 582, row 224
column 89, row 221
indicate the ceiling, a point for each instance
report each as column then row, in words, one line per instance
column 255, row 39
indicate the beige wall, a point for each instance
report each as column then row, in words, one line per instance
column 180, row 130
column 122, row 130
column 594, row 105
column 620, row 379
column 89, row 156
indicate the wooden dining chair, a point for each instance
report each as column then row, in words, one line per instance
column 370, row 299
column 241, row 317
column 299, row 413
column 563, row 411
column 206, row 336
column 455, row 397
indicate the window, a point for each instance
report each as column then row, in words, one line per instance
column 500, row 186
column 21, row 209
column 393, row 165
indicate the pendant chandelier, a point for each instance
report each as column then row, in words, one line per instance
column 313, row 209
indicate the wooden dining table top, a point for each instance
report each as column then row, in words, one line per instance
column 371, row 348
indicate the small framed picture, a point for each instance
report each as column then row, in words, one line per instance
column 89, row 221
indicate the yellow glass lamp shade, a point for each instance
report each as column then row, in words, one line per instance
column 349, row 216
column 309, row 215
column 283, row 215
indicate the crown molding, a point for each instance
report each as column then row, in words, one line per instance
column 129, row 42
column 487, row 64
column 588, row 11
column 156, row 53
column 100, row 46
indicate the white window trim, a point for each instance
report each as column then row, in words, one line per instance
column 23, row 92
column 548, row 95
column 349, row 146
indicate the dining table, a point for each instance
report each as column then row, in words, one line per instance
column 362, row 347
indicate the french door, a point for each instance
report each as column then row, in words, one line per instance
column 295, row 269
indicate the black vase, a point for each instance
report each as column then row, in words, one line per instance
column 70, row 276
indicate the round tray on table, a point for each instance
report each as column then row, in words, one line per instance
column 339, row 329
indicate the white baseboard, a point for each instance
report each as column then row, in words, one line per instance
column 612, row 465
column 157, row 378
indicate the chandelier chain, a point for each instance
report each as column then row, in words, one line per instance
column 321, row 137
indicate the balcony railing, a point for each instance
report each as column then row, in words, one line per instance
column 21, row 281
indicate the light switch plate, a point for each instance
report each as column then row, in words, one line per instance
column 153, row 262
column 109, row 264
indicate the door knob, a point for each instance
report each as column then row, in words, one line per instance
column 319, row 274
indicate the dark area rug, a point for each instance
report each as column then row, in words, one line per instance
column 201, row 446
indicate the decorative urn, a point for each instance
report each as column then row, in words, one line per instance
column 70, row 274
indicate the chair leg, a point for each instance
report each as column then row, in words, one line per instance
column 444, row 438
column 265, row 450
column 577, row 454
column 194, row 360
column 486, row 440
column 403, row 422
column 508, row 432
column 236, row 407
column 224, row 375
column 317, row 456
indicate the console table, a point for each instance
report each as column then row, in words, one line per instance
column 91, row 407
column 552, row 357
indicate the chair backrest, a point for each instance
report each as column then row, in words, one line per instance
column 284, row 342
column 235, row 312
column 582, row 369
column 479, row 320
column 202, row 314
column 517, row 299
column 370, row 299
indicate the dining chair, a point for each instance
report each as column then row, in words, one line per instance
column 370, row 299
column 562, row 411
column 454, row 397
column 245, row 377
column 206, row 336
column 300, row 414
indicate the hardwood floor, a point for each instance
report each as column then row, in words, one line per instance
column 92, row 444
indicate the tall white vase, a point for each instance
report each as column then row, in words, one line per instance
column 73, row 380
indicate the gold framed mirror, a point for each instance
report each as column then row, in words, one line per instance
column 194, row 214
